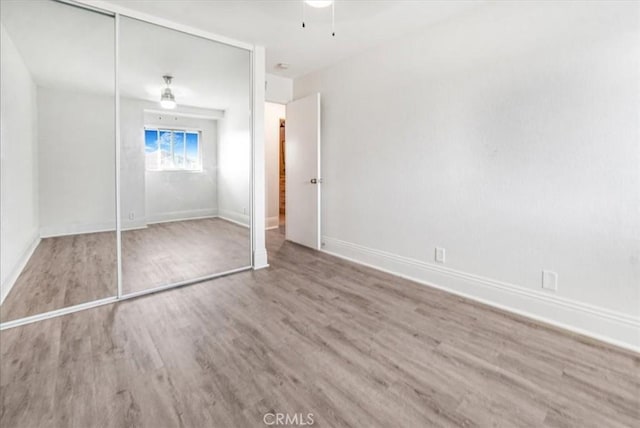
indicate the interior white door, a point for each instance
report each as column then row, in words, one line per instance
column 303, row 181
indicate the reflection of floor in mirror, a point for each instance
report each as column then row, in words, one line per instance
column 166, row 253
column 75, row 269
column 64, row 271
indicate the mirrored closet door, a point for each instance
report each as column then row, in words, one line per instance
column 157, row 136
column 58, row 237
column 185, row 166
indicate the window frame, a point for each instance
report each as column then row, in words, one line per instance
column 174, row 129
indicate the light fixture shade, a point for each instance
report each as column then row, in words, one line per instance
column 319, row 3
column 168, row 104
column 167, row 100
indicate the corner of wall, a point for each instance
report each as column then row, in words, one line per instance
column 13, row 275
column 20, row 165
column 278, row 89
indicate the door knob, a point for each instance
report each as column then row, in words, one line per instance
column 316, row 180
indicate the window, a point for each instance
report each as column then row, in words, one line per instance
column 172, row 150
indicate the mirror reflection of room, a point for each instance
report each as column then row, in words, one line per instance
column 58, row 239
column 185, row 157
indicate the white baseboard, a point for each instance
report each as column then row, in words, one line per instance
column 9, row 282
column 273, row 222
column 76, row 229
column 133, row 224
column 182, row 215
column 608, row 326
column 80, row 229
column 234, row 217
column 56, row 231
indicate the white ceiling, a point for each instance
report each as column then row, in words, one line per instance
column 56, row 40
column 360, row 24
column 205, row 73
column 70, row 48
column 62, row 46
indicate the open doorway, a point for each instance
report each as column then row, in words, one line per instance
column 292, row 152
column 275, row 124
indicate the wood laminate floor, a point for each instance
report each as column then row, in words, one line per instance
column 167, row 253
column 70, row 270
column 311, row 334
column 62, row 272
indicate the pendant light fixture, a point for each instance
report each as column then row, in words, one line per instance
column 167, row 100
column 319, row 4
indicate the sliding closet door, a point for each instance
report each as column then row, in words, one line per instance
column 185, row 157
column 58, row 157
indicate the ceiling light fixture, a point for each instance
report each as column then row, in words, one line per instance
column 167, row 100
column 318, row 4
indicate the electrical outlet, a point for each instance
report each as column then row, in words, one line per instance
column 132, row 215
column 440, row 255
column 549, row 280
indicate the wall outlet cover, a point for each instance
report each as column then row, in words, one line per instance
column 550, row 280
column 440, row 255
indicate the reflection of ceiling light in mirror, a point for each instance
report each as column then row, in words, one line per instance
column 319, row 3
column 167, row 103
column 167, row 100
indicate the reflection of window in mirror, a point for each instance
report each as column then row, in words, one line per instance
column 172, row 149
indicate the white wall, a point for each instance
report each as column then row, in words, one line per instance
column 278, row 89
column 132, row 164
column 234, row 167
column 272, row 115
column 234, row 153
column 76, row 158
column 508, row 136
column 72, row 171
column 19, row 175
column 149, row 196
column 179, row 195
